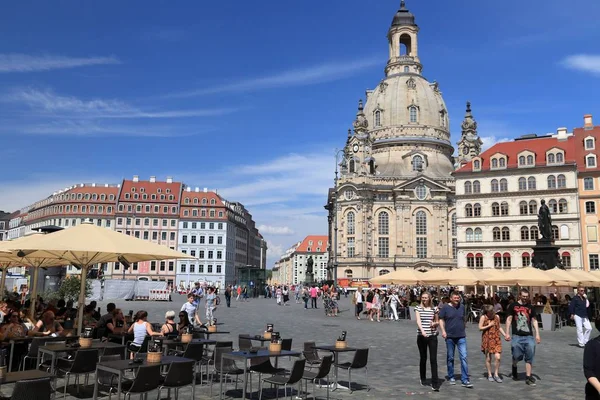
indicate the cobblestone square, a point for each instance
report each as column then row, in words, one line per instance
column 393, row 355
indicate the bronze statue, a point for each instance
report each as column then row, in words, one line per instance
column 309, row 265
column 545, row 221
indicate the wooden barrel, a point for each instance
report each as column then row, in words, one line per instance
column 267, row 335
column 212, row 328
column 153, row 357
column 340, row 344
column 186, row 338
column 85, row 342
column 275, row 347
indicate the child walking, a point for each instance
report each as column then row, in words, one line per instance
column 491, row 344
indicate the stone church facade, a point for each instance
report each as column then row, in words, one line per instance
column 393, row 204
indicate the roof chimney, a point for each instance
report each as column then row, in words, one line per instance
column 197, row 190
column 152, row 179
column 169, row 179
column 106, row 185
column 188, row 189
column 136, row 178
column 561, row 133
column 205, row 190
column 587, row 121
column 93, row 185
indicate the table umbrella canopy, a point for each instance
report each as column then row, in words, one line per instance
column 576, row 277
column 458, row 276
column 87, row 244
column 527, row 276
column 401, row 276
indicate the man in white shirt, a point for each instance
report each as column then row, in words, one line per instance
column 358, row 301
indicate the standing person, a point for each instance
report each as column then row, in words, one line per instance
column 578, row 309
column 228, row 296
column 452, row 325
column 591, row 366
column 314, row 292
column 522, row 321
column 190, row 309
column 491, row 343
column 198, row 293
column 297, row 294
column 286, row 296
column 305, row 297
column 376, row 305
column 239, row 293
column 278, row 295
column 210, row 304
column 427, row 321
column 358, row 301
column 393, row 301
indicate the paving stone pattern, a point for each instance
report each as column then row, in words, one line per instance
column 393, row 355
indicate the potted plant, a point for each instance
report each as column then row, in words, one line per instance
column 548, row 318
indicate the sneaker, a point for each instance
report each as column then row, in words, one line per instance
column 435, row 388
column 498, row 379
column 530, row 380
column 467, row 384
column 490, row 378
column 452, row 381
column 515, row 375
column 423, row 382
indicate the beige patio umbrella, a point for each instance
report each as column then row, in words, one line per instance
column 527, row 276
column 401, row 276
column 87, row 244
column 11, row 257
column 458, row 276
column 576, row 277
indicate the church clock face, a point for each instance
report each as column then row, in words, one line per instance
column 355, row 148
column 465, row 151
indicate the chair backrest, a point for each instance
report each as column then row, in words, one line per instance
column 194, row 351
column 144, row 346
column 38, row 389
column 224, row 344
column 361, row 358
column 35, row 345
column 110, row 351
column 310, row 353
column 297, row 371
column 85, row 361
column 325, row 367
column 244, row 343
column 101, row 332
column 104, row 377
column 286, row 344
column 147, row 379
column 227, row 363
column 180, row 374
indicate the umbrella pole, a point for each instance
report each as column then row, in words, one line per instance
column 33, row 296
column 3, row 282
column 81, row 301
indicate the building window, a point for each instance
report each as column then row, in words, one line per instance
column 566, row 259
column 534, row 233
column 522, row 160
column 588, row 183
column 377, row 118
column 470, row 260
column 495, row 186
column 550, row 158
column 476, row 187
column 522, row 183
column 350, row 247
column 383, row 226
column 590, row 207
column 350, row 221
column 524, row 233
column 454, row 248
column 495, row 209
column 479, row 261
column 505, row 234
column 496, row 236
column 468, row 187
column 184, row 239
column 478, row 235
column 477, row 210
column 497, row 260
column 453, row 222
column 476, row 164
column 589, row 144
column 421, row 230
column 469, row 235
column 504, row 208
column 594, row 264
column 533, row 207
column 348, row 273
column 413, row 114
column 555, row 232
column 562, row 206
column 590, row 161
column 561, row 181
column 559, row 158
column 529, row 160
column 506, row 260
column 502, row 163
column 531, row 184
column 495, row 163
column 525, row 260
column 523, row 208
column 551, row 182
column 417, row 163
column 422, row 247
column 553, row 206
column 383, row 247
column 468, row 210
column 503, row 185
column 171, row 265
column 162, row 265
column 421, row 192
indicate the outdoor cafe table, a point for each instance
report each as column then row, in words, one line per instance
column 215, row 333
column 55, row 349
column 245, row 356
column 121, row 336
column 28, row 340
column 120, row 366
column 335, row 352
column 169, row 343
column 258, row 338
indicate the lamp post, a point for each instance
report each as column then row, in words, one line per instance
column 335, row 219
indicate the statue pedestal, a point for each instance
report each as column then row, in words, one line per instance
column 545, row 255
column 310, row 279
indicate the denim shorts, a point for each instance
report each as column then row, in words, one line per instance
column 523, row 347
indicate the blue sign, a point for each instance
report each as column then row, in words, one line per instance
column 251, row 283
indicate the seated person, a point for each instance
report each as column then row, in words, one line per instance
column 140, row 328
column 117, row 323
column 24, row 315
column 184, row 322
column 88, row 317
column 12, row 330
column 170, row 327
column 62, row 309
column 47, row 326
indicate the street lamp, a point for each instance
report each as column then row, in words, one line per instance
column 338, row 163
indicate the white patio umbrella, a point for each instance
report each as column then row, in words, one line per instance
column 401, row 276
column 87, row 244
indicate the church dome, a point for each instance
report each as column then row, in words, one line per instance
column 403, row 17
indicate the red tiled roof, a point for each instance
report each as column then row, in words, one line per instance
column 303, row 247
column 151, row 188
column 95, row 189
column 200, row 195
column 539, row 146
column 580, row 152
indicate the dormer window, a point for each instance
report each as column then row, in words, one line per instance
column 417, row 163
column 560, row 158
column 495, row 163
column 529, row 160
column 502, row 163
column 590, row 143
column 476, row 165
column 551, row 159
column 590, row 161
column 522, row 160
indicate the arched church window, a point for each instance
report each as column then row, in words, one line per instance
column 372, row 167
column 406, row 68
column 352, row 166
column 413, row 114
column 405, row 45
column 350, row 223
column 377, row 118
column 417, row 163
column 421, row 233
column 383, row 223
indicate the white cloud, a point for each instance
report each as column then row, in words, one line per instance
column 583, row 62
column 27, row 63
column 46, row 102
column 326, row 72
column 92, row 128
column 275, row 230
column 489, row 141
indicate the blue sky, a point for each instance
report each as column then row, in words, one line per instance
column 252, row 98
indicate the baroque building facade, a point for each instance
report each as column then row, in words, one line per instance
column 393, row 202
